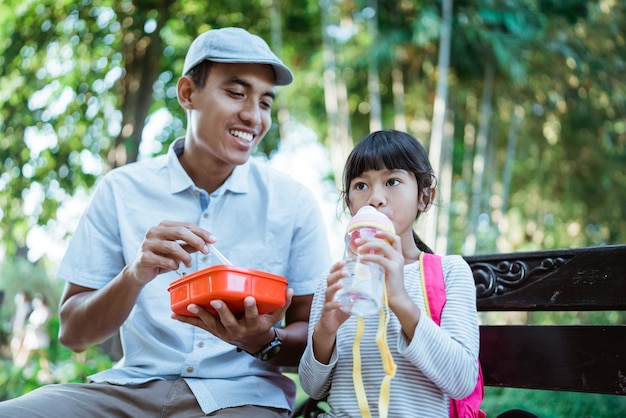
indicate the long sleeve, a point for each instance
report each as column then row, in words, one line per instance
column 315, row 377
column 448, row 354
column 440, row 362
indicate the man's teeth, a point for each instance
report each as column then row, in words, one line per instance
column 243, row 135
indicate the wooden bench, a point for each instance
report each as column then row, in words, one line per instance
column 578, row 358
column 587, row 358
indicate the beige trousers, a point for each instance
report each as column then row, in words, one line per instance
column 156, row 399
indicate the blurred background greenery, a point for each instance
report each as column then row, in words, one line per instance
column 522, row 105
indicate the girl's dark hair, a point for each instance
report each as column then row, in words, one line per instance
column 392, row 150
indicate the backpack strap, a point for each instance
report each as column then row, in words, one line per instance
column 433, row 285
column 434, row 290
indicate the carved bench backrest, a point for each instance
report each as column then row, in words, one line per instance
column 589, row 358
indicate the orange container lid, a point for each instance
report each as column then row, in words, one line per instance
column 230, row 284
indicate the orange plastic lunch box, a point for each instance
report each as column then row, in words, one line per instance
column 230, row 284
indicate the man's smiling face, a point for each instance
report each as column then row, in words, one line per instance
column 231, row 114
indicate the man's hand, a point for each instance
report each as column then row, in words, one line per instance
column 250, row 332
column 167, row 245
column 86, row 315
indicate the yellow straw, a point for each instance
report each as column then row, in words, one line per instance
column 356, row 369
column 387, row 359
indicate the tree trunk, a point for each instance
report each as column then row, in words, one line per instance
column 445, row 192
column 373, row 79
column 335, row 100
column 516, row 118
column 480, row 159
column 429, row 223
column 397, row 78
column 344, row 131
column 282, row 113
column 517, row 114
column 142, row 53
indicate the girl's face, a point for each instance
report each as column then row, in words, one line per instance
column 392, row 192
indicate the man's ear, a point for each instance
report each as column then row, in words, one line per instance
column 426, row 199
column 184, row 89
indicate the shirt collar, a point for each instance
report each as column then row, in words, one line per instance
column 179, row 179
column 237, row 182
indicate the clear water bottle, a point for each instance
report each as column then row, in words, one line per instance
column 362, row 291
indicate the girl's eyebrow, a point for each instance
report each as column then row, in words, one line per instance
column 247, row 85
column 393, row 170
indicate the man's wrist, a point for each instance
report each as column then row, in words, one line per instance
column 269, row 350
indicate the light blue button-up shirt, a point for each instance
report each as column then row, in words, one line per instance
column 262, row 219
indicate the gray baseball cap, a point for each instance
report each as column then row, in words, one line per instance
column 235, row 45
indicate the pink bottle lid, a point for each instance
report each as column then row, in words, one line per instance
column 367, row 216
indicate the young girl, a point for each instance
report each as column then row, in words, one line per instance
column 389, row 170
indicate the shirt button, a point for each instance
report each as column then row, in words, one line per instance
column 205, row 215
column 189, row 369
column 204, row 259
column 200, row 344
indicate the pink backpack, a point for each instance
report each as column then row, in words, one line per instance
column 435, row 292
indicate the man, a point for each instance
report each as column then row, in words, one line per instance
column 151, row 221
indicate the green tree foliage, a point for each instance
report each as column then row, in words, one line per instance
column 79, row 81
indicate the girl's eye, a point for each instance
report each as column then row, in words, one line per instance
column 360, row 186
column 393, row 182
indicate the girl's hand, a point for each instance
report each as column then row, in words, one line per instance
column 332, row 315
column 386, row 249
column 325, row 330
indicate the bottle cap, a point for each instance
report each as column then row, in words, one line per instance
column 367, row 216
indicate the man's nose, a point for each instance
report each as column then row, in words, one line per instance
column 251, row 112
